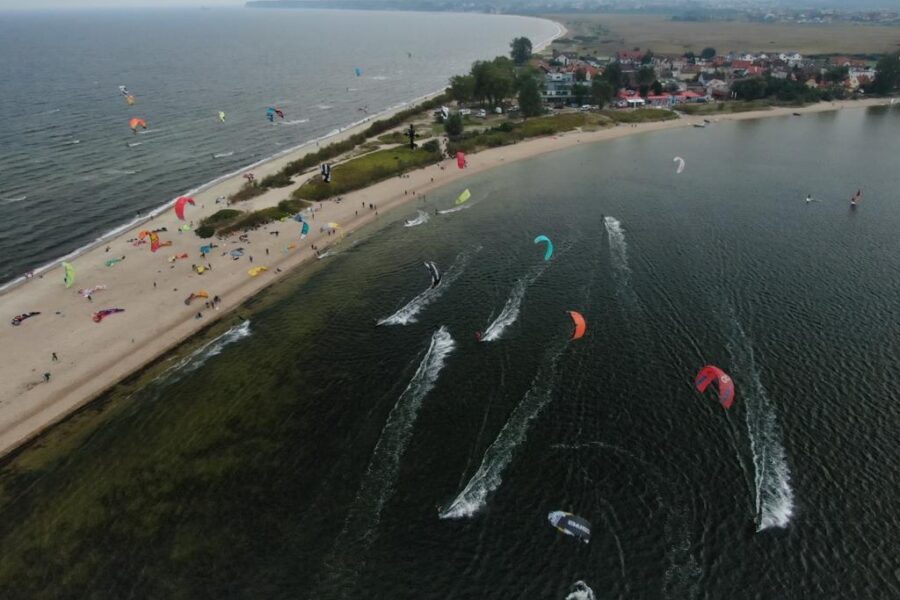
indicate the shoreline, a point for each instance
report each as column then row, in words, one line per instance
column 94, row 357
column 293, row 153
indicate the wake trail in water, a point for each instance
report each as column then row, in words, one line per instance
column 12, row 200
column 381, row 474
column 198, row 357
column 618, row 250
column 581, row 591
column 223, row 154
column 407, row 314
column 500, row 453
column 453, row 210
column 510, row 311
column 774, row 495
column 422, row 217
column 294, row 122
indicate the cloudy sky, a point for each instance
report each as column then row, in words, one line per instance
column 35, row 4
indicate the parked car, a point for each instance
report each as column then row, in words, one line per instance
column 465, row 111
column 482, row 114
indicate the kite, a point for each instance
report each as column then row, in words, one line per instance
column 543, row 238
column 221, row 117
column 304, row 230
column 464, row 197
column 680, row 162
column 91, row 290
column 580, row 324
column 195, row 295
column 113, row 261
column 102, row 314
column 17, row 320
column 711, row 373
column 571, row 525
column 461, row 160
column 271, row 112
column 69, row 277
column 179, row 206
column 135, row 123
column 435, row 274
column 256, row 271
column 358, row 71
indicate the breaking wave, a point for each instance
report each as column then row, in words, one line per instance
column 198, row 357
column 12, row 200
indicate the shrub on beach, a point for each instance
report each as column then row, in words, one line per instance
column 248, row 191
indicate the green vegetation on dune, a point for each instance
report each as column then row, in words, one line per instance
column 642, row 115
column 366, row 170
column 229, row 220
column 510, row 133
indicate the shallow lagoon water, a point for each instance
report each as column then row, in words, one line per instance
column 307, row 459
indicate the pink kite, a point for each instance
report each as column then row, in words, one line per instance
column 100, row 315
column 461, row 160
column 711, row 373
column 179, row 206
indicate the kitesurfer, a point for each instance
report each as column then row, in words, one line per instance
column 808, row 198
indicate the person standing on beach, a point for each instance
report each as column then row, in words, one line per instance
column 47, row 377
column 54, row 357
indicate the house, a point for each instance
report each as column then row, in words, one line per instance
column 558, row 88
column 629, row 57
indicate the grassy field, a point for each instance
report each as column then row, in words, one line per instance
column 366, row 170
column 605, row 34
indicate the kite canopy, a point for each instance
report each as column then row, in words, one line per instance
column 102, row 314
column 17, row 320
column 358, row 71
column 460, row 160
column 256, row 271
column 580, row 324
column 435, row 274
column 464, row 197
column 195, row 295
column 221, row 117
column 136, row 122
column 680, row 162
column 69, row 277
column 271, row 113
column 711, row 373
column 304, row 230
column 179, row 206
column 543, row 238
column 571, row 525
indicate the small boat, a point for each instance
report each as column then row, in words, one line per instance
column 701, row 125
column 706, row 121
column 796, row 114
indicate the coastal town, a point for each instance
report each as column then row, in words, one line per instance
column 644, row 78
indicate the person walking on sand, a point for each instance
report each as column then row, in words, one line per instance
column 54, row 357
column 47, row 377
column 251, row 259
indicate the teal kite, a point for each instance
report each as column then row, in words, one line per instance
column 544, row 238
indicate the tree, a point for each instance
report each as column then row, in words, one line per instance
column 520, row 50
column 581, row 92
column 836, row 74
column 647, row 58
column 644, row 90
column 601, row 92
column 657, row 88
column 462, row 88
column 646, row 75
column 530, row 97
column 613, row 75
column 888, row 73
column 708, row 53
column 689, row 56
column 749, row 89
column 454, row 125
column 580, row 75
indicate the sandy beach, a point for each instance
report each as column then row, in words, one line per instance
column 152, row 287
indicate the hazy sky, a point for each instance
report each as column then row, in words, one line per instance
column 35, row 4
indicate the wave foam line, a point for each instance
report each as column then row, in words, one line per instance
column 381, row 474
column 774, row 495
column 407, row 314
column 510, row 312
column 499, row 454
